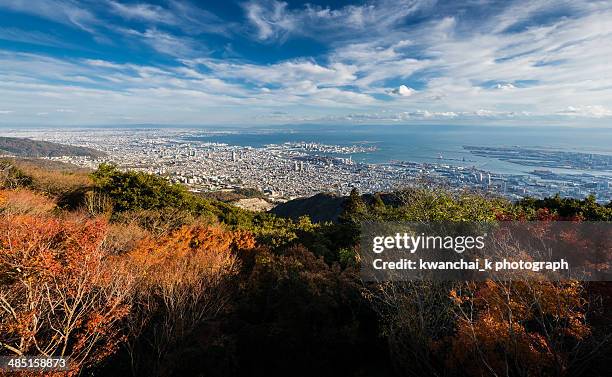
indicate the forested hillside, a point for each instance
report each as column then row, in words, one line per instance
column 129, row 274
column 36, row 148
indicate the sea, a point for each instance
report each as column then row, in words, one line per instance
column 439, row 144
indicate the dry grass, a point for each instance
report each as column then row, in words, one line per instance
column 122, row 238
column 56, row 182
column 53, row 178
column 25, row 202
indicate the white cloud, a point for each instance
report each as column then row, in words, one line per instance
column 181, row 14
column 270, row 18
column 67, row 12
column 587, row 111
column 149, row 94
column 417, row 116
column 505, row 86
column 476, row 70
column 284, row 73
column 165, row 43
column 403, row 91
column 142, row 11
column 32, row 37
column 102, row 63
column 275, row 20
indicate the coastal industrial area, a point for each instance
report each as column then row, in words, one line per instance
column 298, row 169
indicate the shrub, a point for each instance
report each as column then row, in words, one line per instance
column 518, row 328
column 59, row 294
column 54, row 180
column 25, row 202
column 136, row 190
column 184, row 281
column 12, row 177
column 567, row 208
column 296, row 305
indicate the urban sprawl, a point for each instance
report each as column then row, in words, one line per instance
column 290, row 170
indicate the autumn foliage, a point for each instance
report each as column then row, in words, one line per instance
column 183, row 281
column 529, row 328
column 65, row 291
column 58, row 294
column 128, row 274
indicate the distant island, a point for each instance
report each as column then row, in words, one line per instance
column 23, row 147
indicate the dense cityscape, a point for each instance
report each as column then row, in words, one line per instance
column 290, row 170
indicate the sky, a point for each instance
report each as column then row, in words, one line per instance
column 106, row 62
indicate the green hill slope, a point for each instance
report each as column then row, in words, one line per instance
column 23, row 147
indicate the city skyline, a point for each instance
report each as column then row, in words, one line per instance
column 65, row 62
column 283, row 168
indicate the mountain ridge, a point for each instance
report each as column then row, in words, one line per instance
column 25, row 147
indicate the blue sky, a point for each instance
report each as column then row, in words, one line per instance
column 92, row 62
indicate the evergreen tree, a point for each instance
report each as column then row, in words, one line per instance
column 355, row 209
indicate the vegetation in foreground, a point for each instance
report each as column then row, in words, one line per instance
column 130, row 275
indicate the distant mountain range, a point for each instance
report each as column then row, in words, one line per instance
column 23, row 147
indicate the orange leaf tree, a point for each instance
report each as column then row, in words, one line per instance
column 59, row 293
